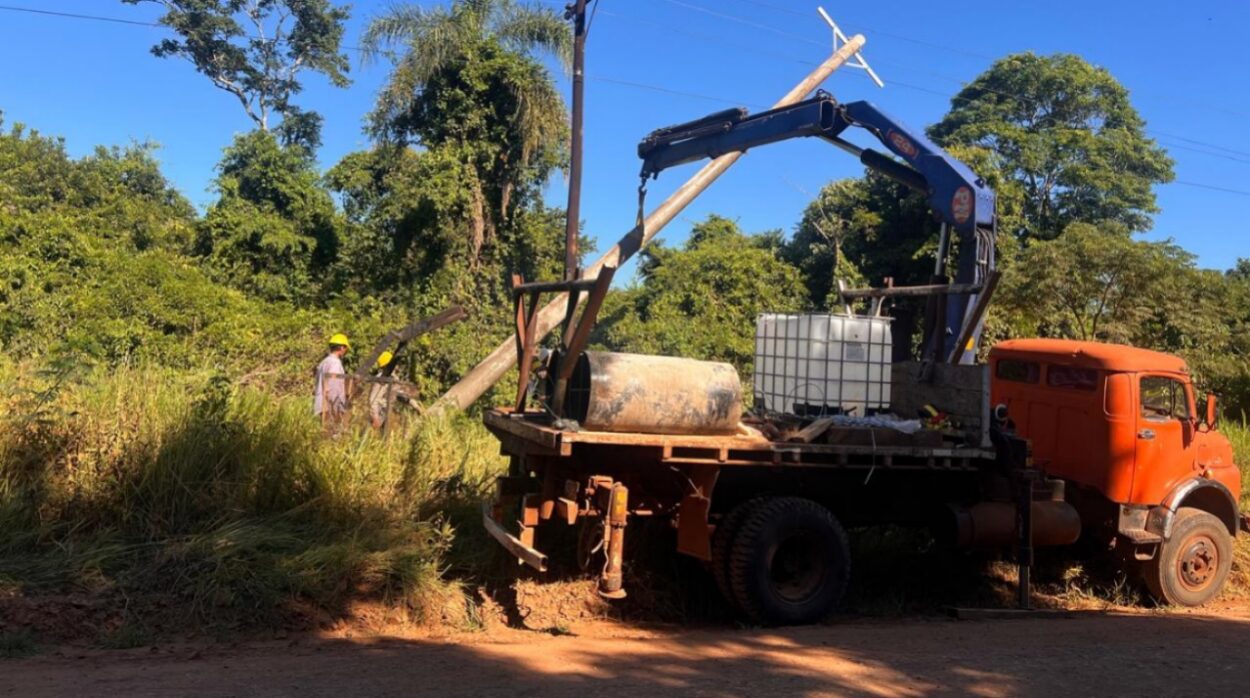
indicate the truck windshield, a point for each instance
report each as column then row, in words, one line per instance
column 1163, row 399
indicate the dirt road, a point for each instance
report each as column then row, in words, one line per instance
column 1097, row 655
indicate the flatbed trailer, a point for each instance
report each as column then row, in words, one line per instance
column 707, row 487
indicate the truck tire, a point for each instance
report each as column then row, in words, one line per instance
column 722, row 545
column 1190, row 567
column 790, row 562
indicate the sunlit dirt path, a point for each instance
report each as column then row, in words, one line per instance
column 1090, row 655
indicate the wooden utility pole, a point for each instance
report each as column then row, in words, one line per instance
column 577, row 12
column 494, row 366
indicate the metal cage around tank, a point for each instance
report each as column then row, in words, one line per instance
column 815, row 364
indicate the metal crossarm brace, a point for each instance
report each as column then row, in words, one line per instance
column 575, row 334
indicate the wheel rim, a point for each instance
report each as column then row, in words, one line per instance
column 1198, row 563
column 795, row 570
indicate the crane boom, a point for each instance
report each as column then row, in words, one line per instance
column 960, row 199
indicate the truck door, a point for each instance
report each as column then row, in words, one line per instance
column 1164, row 437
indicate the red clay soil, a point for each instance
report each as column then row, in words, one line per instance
column 1092, row 654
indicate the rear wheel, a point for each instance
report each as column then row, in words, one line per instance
column 722, row 545
column 790, row 562
column 1190, row 568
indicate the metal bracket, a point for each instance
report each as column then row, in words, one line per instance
column 859, row 61
column 575, row 334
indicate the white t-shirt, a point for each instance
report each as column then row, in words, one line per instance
column 331, row 384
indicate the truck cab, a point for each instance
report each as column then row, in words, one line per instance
column 1119, row 426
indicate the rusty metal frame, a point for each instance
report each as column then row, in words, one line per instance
column 574, row 335
column 524, row 553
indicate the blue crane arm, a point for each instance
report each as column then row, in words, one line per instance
column 955, row 194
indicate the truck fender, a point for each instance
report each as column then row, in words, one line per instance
column 1200, row 493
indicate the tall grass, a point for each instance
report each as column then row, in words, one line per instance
column 226, row 504
column 1238, row 432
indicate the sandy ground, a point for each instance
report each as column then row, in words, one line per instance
column 1092, row 654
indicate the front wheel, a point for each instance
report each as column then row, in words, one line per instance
column 1190, row 568
column 790, row 562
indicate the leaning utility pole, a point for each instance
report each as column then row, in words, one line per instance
column 493, row 367
column 577, row 12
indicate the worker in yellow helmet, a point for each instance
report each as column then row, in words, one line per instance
column 380, row 393
column 330, row 390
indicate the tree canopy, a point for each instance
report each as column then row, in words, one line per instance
column 1098, row 283
column 1067, row 132
column 467, row 82
column 256, row 50
column 274, row 230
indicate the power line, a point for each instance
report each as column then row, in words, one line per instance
column 666, row 90
column 952, row 49
column 1200, row 151
column 593, row 12
column 73, row 15
column 919, row 88
column 744, row 21
column 1197, row 142
column 863, row 28
column 657, row 88
column 878, row 32
column 1212, row 187
column 708, row 38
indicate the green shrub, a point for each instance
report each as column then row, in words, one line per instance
column 231, row 502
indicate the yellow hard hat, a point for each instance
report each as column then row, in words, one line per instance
column 385, row 359
column 341, row 338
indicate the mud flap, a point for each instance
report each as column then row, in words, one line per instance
column 694, row 536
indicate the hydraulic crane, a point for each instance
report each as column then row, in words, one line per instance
column 957, row 196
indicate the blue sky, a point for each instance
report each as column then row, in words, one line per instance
column 1185, row 65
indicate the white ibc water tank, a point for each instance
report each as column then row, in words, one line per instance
column 816, row 363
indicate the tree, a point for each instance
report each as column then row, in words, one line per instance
column 467, row 80
column 1097, row 283
column 256, row 50
column 816, row 248
column 443, row 39
column 274, row 230
column 1224, row 367
column 701, row 301
column 1066, row 131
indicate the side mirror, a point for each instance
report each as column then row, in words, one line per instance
column 1211, row 411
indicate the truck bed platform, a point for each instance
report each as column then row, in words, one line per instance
column 534, row 434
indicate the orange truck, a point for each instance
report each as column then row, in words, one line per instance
column 1119, row 426
column 1104, row 442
